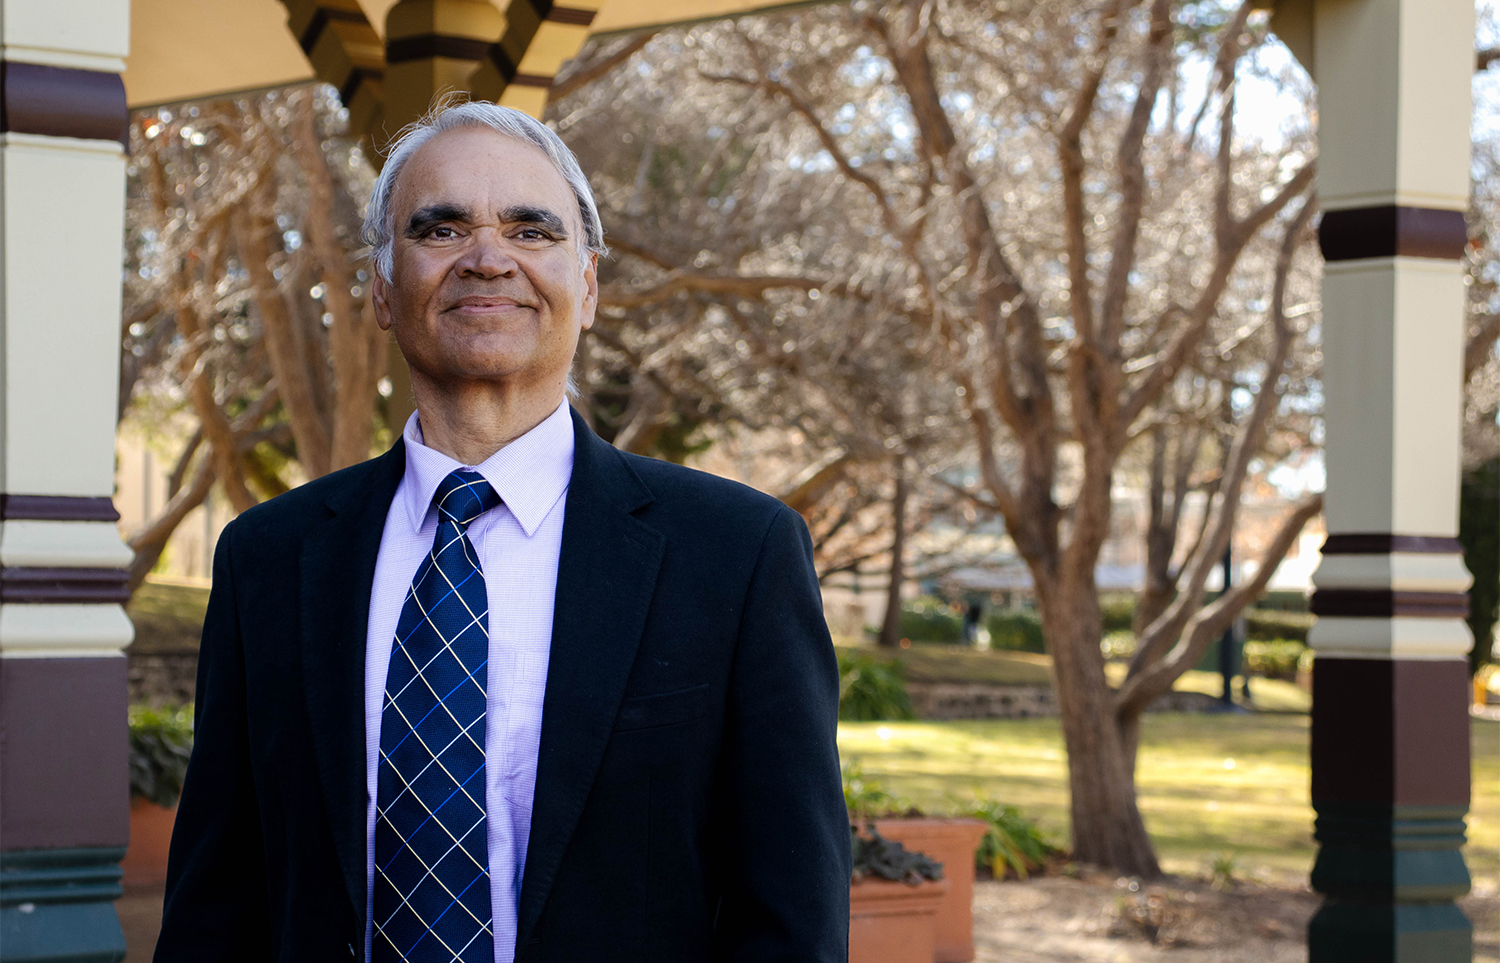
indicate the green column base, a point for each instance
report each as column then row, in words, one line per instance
column 1375, row 933
column 1401, row 876
column 57, row 906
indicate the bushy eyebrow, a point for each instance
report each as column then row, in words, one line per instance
column 425, row 218
column 534, row 215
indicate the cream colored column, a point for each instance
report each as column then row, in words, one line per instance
column 1390, row 740
column 63, row 768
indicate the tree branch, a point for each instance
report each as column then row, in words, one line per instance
column 586, row 74
column 728, row 285
column 1210, row 621
column 1161, row 634
column 1480, row 345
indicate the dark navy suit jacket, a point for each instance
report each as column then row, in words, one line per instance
column 688, row 804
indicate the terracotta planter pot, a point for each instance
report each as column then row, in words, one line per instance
column 893, row 922
column 951, row 842
column 145, row 862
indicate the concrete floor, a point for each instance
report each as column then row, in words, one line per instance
column 140, row 917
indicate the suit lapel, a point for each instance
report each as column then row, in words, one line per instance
column 338, row 569
column 606, row 575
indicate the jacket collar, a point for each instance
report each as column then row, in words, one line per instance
column 337, row 571
column 606, row 576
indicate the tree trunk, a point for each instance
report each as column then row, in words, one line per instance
column 351, row 334
column 151, row 539
column 278, row 334
column 890, row 628
column 1107, row 826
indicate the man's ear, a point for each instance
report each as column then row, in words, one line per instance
column 379, row 292
column 591, row 290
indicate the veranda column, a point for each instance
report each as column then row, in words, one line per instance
column 1390, row 725
column 63, row 770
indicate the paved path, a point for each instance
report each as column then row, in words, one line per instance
column 140, row 916
column 1060, row 920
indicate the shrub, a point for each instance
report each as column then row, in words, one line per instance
column 1222, row 871
column 1016, row 631
column 874, row 855
column 1277, row 659
column 928, row 619
column 865, row 797
column 871, row 690
column 1285, row 601
column 1012, row 844
column 1267, row 625
column 1118, row 610
column 160, row 742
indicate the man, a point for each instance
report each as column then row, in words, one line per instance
column 505, row 692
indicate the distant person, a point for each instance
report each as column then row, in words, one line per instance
column 972, row 614
column 505, row 692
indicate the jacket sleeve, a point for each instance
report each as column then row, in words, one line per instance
column 787, row 892
column 215, row 906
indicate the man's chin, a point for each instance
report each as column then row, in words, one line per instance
column 488, row 369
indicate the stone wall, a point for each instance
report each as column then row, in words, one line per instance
column 162, row 678
column 970, row 700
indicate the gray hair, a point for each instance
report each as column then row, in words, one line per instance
column 379, row 229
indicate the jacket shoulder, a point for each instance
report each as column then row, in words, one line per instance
column 691, row 495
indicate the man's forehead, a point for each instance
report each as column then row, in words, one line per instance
column 455, row 165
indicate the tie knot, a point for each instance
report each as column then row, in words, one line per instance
column 463, row 496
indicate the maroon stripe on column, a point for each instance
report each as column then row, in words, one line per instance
column 1385, row 603
column 63, row 102
column 64, row 585
column 64, row 772
column 571, row 15
column 1391, row 732
column 58, row 508
column 1390, row 230
column 429, row 45
column 1384, row 543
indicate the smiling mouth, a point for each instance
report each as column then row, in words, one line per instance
column 485, row 305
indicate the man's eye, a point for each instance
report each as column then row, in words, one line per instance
column 442, row 232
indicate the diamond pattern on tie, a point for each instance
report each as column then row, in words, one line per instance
column 432, row 880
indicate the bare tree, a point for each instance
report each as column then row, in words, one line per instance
column 1070, row 235
column 246, row 315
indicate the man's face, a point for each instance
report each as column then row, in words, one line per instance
column 487, row 284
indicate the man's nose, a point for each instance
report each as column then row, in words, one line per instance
column 487, row 255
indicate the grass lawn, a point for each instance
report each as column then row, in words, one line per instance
column 1209, row 784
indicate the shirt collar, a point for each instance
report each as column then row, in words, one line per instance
column 530, row 474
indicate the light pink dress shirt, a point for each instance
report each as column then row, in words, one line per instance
column 518, row 545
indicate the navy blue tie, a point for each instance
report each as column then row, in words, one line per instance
column 432, row 879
